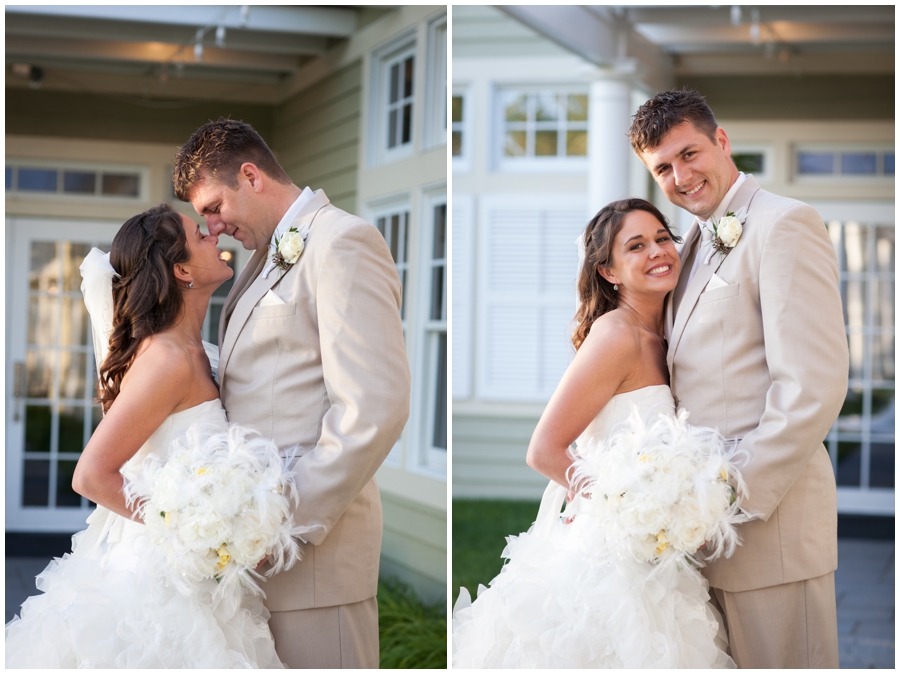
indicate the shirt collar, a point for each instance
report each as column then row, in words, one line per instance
column 722, row 208
column 291, row 214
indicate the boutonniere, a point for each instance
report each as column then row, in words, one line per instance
column 725, row 234
column 288, row 250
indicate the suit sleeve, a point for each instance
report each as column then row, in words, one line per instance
column 806, row 354
column 366, row 374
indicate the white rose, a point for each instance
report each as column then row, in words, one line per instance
column 729, row 230
column 291, row 247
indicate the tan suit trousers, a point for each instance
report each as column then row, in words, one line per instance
column 333, row 637
column 791, row 626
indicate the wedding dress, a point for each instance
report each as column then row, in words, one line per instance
column 110, row 603
column 567, row 598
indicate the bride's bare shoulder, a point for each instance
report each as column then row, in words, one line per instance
column 613, row 334
column 161, row 356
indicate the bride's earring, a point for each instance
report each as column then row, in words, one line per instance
column 191, row 285
column 616, row 287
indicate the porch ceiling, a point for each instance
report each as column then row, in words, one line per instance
column 247, row 53
column 666, row 40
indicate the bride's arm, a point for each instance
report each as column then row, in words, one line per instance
column 154, row 387
column 605, row 361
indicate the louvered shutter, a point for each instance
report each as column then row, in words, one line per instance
column 528, row 264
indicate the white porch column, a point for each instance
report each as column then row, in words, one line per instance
column 609, row 152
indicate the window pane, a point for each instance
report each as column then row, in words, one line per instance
column 74, row 327
column 394, row 90
column 79, row 182
column 439, row 438
column 515, row 144
column 66, row 497
column 72, row 376
column 395, row 237
column 545, row 143
column 37, row 428
column 38, row 373
column 859, row 163
column 749, row 162
column 456, row 110
column 43, row 273
column 73, row 255
column 576, row 143
column 517, row 108
column 437, row 293
column 456, row 143
column 392, row 128
column 577, row 108
column 848, row 464
column 547, row 108
column 408, row 78
column 43, row 320
column 120, row 184
column 9, row 176
column 440, row 219
column 71, row 429
column 816, row 163
column 36, row 483
column 37, row 180
column 889, row 164
column 407, row 124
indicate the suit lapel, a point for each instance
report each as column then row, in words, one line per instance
column 254, row 286
column 695, row 287
column 248, row 274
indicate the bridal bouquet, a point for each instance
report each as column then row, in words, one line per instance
column 662, row 489
column 217, row 506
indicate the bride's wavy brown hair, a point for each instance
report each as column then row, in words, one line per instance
column 595, row 292
column 146, row 297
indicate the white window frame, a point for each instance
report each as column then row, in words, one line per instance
column 382, row 59
column 836, row 177
column 463, row 162
column 428, row 331
column 142, row 172
column 766, row 151
column 532, row 163
column 436, row 85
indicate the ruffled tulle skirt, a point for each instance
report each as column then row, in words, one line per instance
column 566, row 599
column 107, row 607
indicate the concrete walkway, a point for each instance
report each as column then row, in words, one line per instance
column 864, row 584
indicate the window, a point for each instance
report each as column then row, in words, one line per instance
column 79, row 181
column 393, row 87
column 436, row 85
column 394, row 227
column 434, row 333
column 824, row 162
column 460, row 129
column 543, row 128
column 528, row 263
column 755, row 159
column 862, row 441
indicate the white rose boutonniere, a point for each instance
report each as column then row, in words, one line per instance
column 725, row 234
column 288, row 249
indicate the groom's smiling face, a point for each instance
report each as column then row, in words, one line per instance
column 693, row 170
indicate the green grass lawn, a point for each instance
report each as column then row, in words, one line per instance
column 480, row 529
column 412, row 634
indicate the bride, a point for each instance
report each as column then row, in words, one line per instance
column 566, row 598
column 105, row 605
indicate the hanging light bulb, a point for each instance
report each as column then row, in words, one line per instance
column 735, row 15
column 220, row 36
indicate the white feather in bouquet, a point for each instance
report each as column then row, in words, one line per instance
column 217, row 506
column 662, row 489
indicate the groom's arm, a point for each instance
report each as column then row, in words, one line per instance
column 806, row 354
column 366, row 374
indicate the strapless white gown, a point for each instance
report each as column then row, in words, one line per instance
column 566, row 599
column 104, row 605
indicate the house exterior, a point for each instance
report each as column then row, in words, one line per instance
column 352, row 100
column 542, row 98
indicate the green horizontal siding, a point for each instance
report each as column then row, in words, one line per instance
column 414, row 548
column 486, row 31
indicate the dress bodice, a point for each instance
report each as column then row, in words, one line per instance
column 176, row 424
column 650, row 401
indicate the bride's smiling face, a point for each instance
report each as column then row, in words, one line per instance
column 205, row 263
column 644, row 258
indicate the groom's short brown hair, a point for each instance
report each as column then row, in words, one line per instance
column 655, row 118
column 217, row 149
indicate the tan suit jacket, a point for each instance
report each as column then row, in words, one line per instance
column 765, row 360
column 326, row 370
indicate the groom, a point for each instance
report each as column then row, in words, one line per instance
column 312, row 354
column 757, row 348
